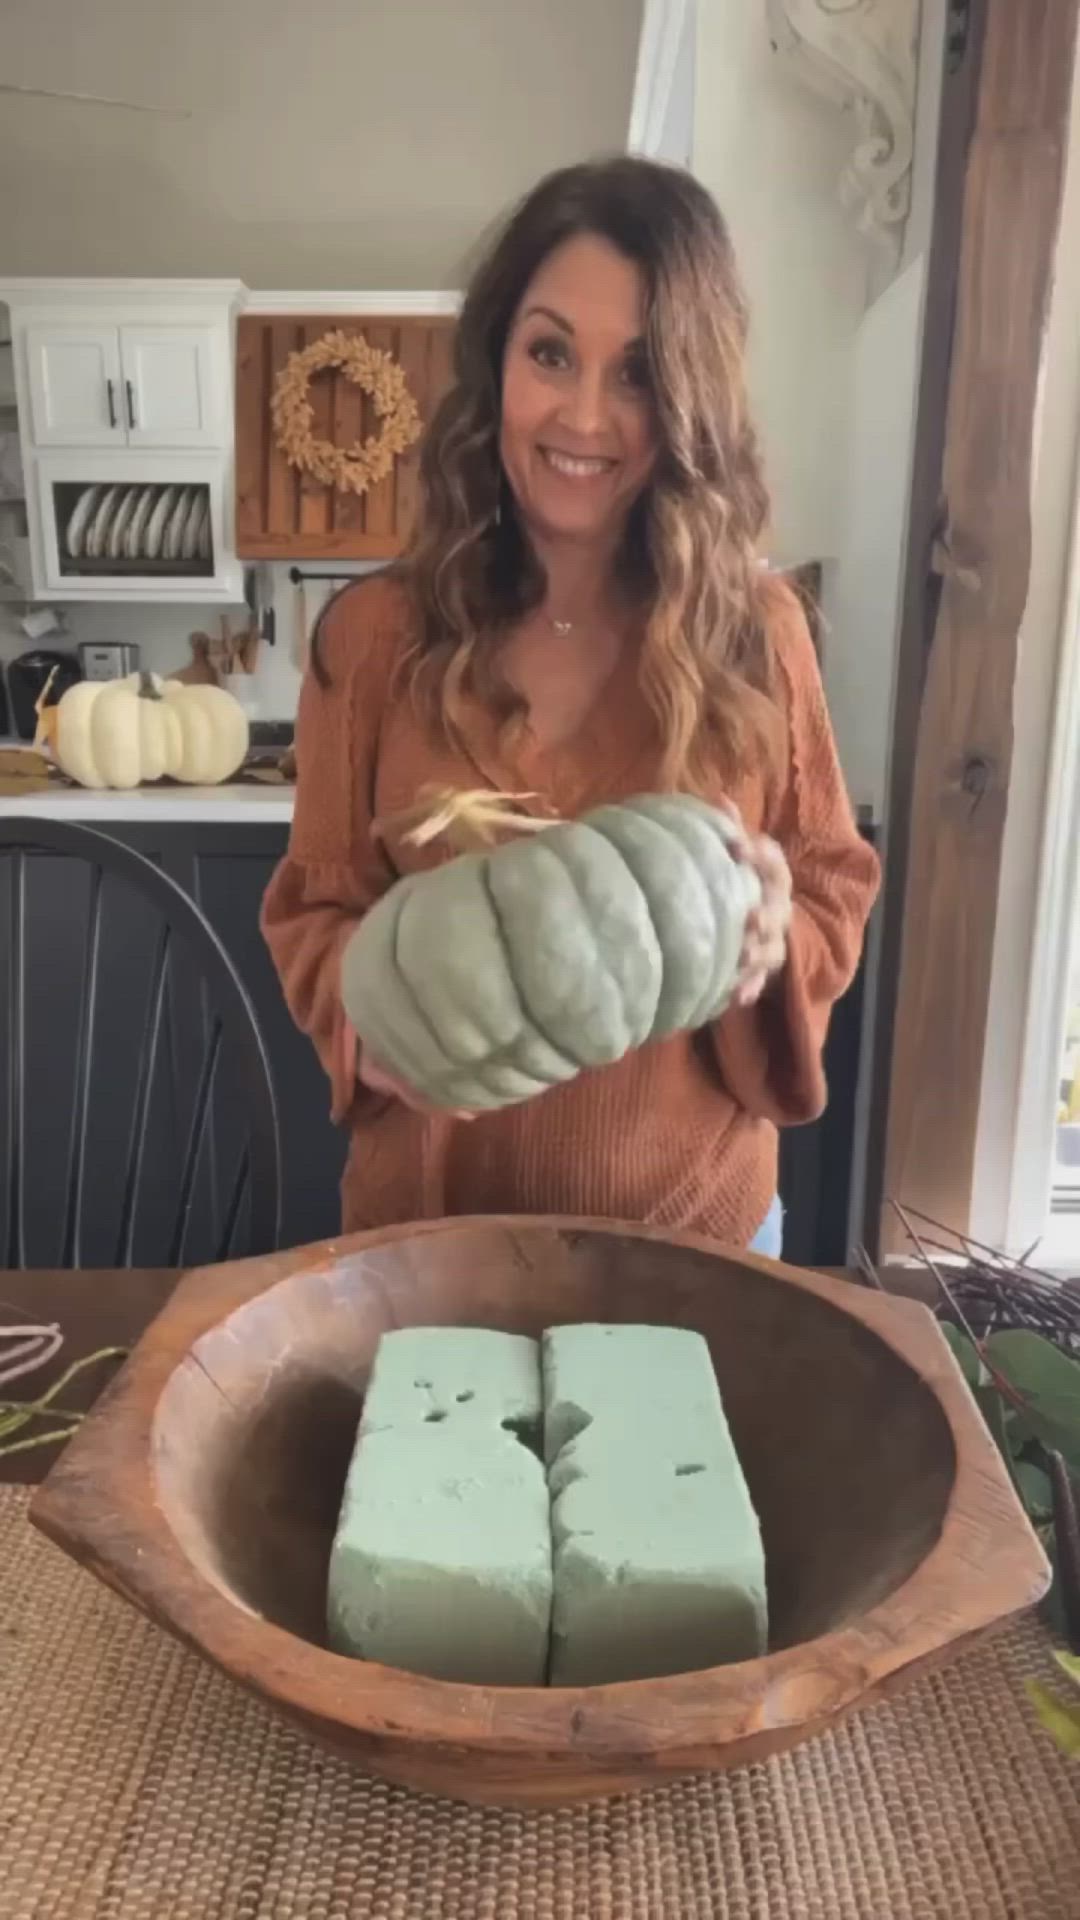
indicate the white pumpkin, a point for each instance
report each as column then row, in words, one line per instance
column 120, row 733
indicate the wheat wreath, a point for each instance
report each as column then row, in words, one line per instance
column 355, row 468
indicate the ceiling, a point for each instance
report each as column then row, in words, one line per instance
column 328, row 144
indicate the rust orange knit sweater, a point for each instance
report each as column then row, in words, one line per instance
column 681, row 1133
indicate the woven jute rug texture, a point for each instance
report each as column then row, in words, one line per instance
column 138, row 1784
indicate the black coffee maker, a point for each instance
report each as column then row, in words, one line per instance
column 27, row 675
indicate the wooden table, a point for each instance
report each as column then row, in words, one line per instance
column 95, row 1308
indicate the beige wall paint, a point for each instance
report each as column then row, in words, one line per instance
column 836, row 331
column 864, row 592
column 333, row 143
column 772, row 153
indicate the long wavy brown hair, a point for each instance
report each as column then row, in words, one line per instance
column 689, row 554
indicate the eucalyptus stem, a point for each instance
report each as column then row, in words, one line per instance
column 17, row 1414
column 38, row 1440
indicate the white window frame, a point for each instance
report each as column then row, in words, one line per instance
column 1029, row 1217
column 1022, row 1059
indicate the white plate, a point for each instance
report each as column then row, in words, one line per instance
column 76, row 526
column 133, row 541
column 155, row 532
column 174, row 531
column 137, row 524
column 120, row 520
column 204, row 535
column 189, row 546
column 94, row 546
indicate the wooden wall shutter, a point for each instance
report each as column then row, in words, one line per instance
column 284, row 515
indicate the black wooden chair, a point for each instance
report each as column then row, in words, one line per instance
column 140, row 1126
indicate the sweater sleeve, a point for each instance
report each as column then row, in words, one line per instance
column 770, row 1055
column 334, row 869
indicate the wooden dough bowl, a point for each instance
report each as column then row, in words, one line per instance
column 205, row 1484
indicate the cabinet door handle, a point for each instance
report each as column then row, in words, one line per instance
column 132, row 422
column 111, row 396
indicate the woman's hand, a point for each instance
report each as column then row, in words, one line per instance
column 765, row 948
column 372, row 1075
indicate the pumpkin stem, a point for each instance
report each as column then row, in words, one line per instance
column 468, row 819
column 147, row 689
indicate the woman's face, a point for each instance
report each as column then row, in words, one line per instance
column 578, row 434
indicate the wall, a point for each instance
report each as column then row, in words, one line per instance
column 863, row 590
column 331, row 144
column 771, row 152
column 677, row 134
column 662, row 108
column 163, row 637
column 835, row 346
column 868, row 581
column 933, row 21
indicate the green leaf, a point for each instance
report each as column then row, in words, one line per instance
column 1062, row 1722
column 1033, row 1486
column 1034, row 1365
column 1023, row 1432
column 1049, row 1381
column 966, row 1355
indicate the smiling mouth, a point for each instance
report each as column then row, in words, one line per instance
column 575, row 467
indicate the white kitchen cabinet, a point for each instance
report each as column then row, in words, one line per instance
column 124, row 387
column 170, row 397
column 74, row 380
column 124, row 391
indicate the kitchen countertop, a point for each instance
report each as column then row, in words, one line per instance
column 231, row 805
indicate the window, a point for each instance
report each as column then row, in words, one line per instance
column 1065, row 1180
column 1044, row 1187
column 1026, row 1173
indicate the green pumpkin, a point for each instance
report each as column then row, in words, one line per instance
column 495, row 976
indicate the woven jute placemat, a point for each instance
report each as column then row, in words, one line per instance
column 138, row 1784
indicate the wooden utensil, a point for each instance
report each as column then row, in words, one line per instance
column 24, row 770
column 206, row 1489
column 199, row 673
column 246, row 651
column 220, row 650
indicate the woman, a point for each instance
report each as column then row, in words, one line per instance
column 582, row 615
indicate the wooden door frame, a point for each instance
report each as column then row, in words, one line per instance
column 1001, row 160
